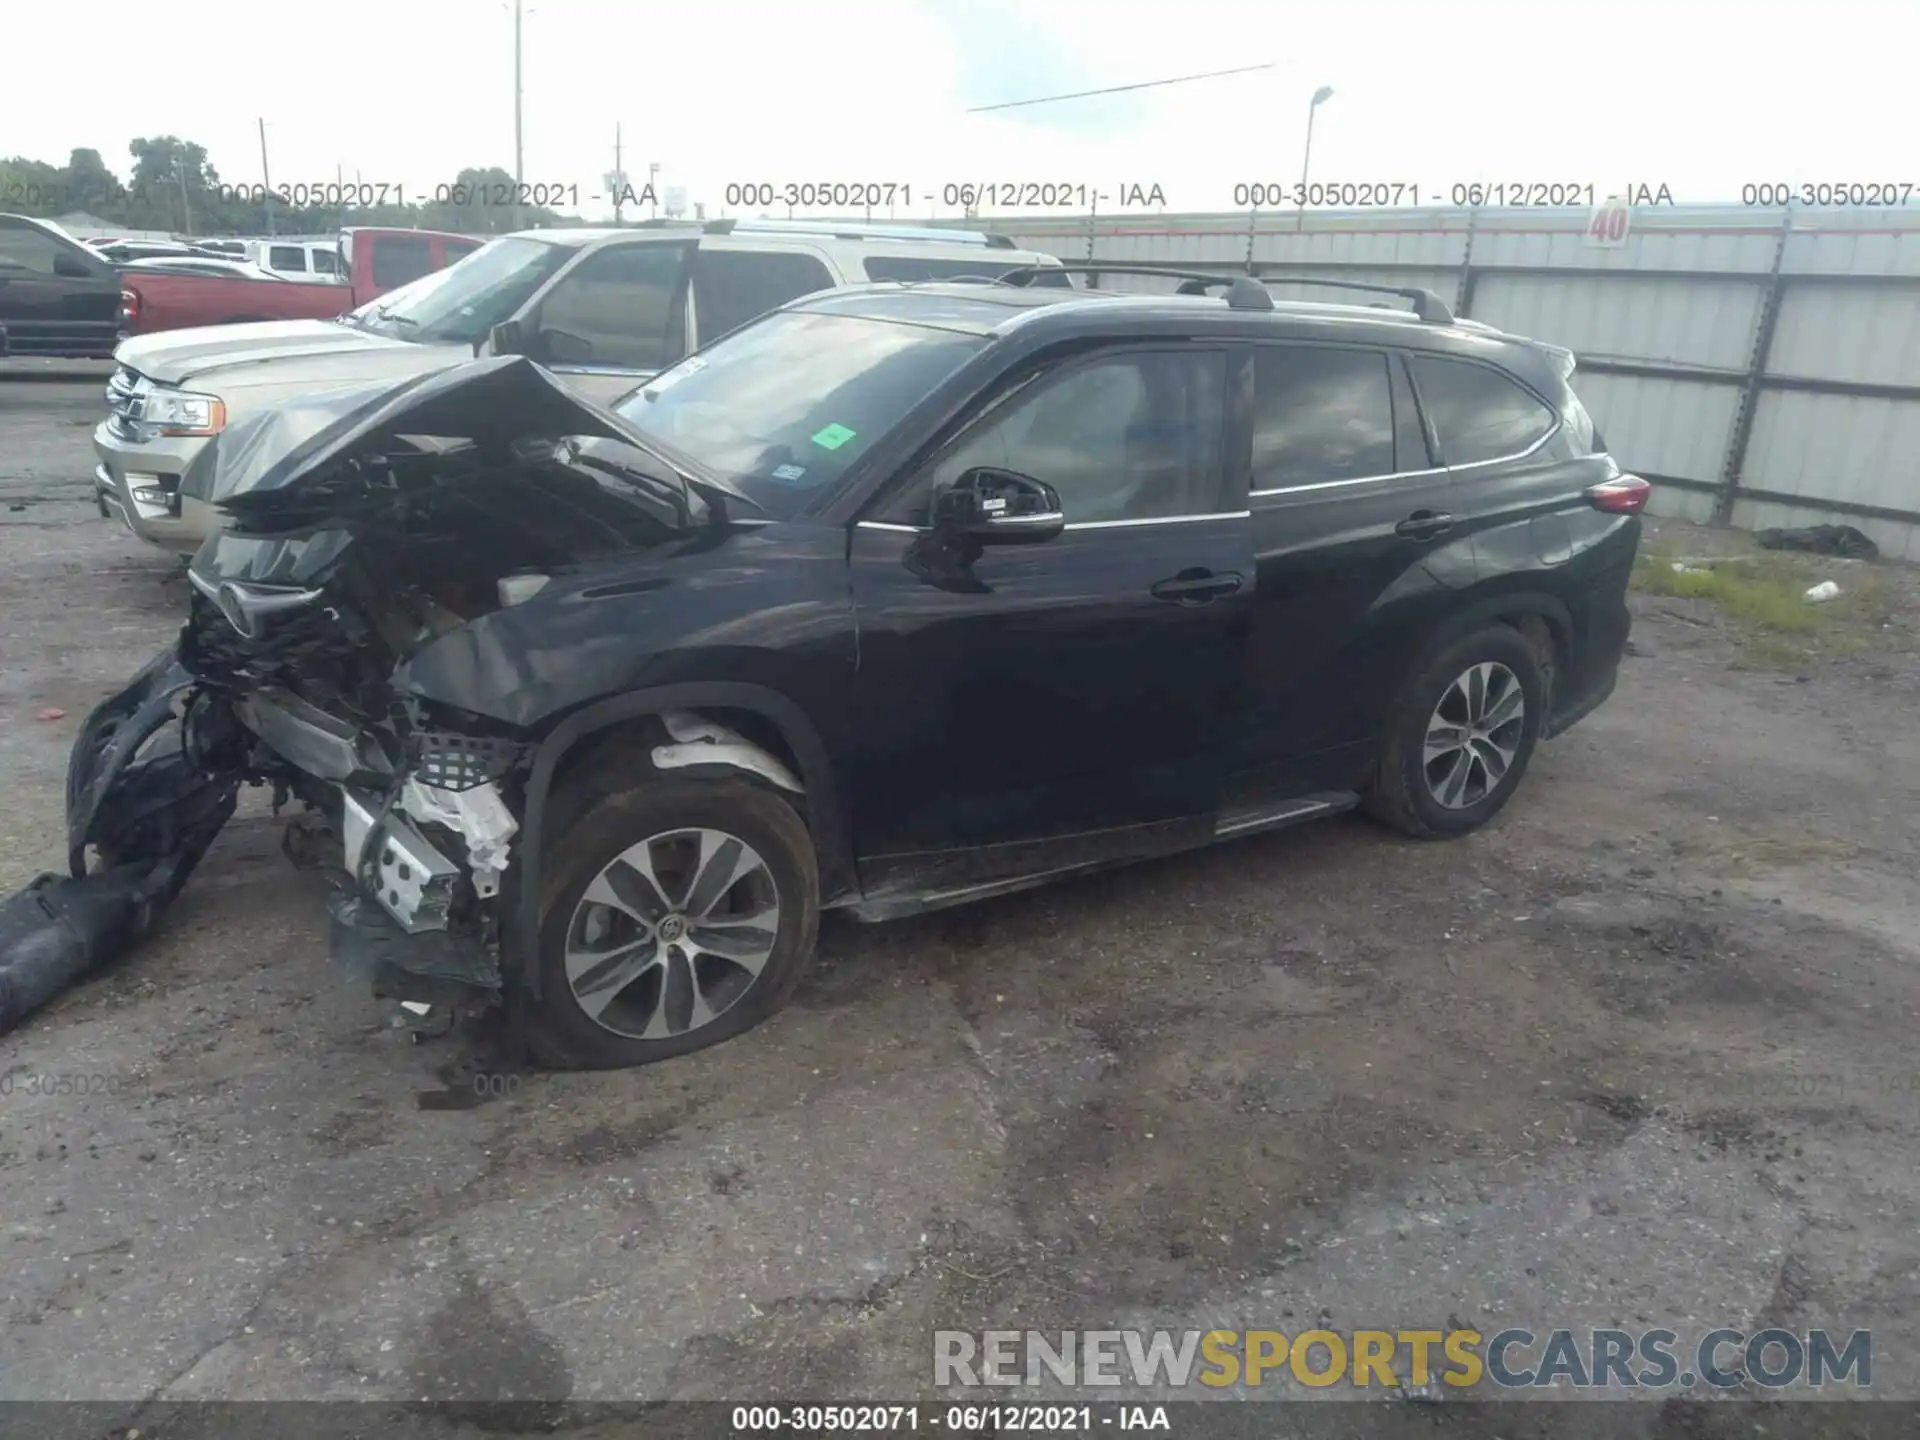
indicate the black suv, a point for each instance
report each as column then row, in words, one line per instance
column 57, row 297
column 899, row 596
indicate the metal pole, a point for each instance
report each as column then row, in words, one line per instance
column 186, row 210
column 618, row 172
column 517, row 152
column 266, row 178
column 1756, row 376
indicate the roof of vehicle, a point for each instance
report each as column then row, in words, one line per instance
column 785, row 230
column 989, row 308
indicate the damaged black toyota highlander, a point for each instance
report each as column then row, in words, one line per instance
column 896, row 597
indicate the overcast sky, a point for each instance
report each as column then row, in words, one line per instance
column 1699, row 96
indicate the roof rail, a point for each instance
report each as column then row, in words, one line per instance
column 1247, row 292
column 859, row 230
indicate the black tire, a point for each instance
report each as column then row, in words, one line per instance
column 1402, row 794
column 590, row 834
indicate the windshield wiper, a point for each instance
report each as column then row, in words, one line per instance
column 380, row 312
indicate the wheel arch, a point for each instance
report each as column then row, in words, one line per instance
column 1536, row 614
column 617, row 715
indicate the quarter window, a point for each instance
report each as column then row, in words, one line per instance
column 1477, row 413
column 1320, row 415
column 731, row 287
column 1129, row 437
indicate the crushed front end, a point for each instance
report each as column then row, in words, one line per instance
column 363, row 527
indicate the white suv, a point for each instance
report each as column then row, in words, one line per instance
column 602, row 309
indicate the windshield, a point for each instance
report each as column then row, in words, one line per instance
column 462, row 303
column 782, row 408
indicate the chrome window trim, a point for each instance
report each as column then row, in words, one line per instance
column 888, row 525
column 1411, row 474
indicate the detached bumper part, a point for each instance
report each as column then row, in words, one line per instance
column 150, row 816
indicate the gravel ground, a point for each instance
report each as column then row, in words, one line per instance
column 1638, row 1054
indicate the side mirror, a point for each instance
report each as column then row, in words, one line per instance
column 998, row 507
column 507, row 338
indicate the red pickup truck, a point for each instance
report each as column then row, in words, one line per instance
column 373, row 261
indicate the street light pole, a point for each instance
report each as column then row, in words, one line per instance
column 1320, row 97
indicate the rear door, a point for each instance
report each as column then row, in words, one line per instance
column 1515, row 475
column 1358, row 551
column 56, row 297
column 1028, row 707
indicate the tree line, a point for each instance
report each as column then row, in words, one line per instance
column 172, row 187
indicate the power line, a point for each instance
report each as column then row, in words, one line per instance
column 1116, row 89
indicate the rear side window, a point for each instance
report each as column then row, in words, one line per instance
column 1477, row 413
column 398, row 259
column 1319, row 415
column 287, row 257
column 914, row 268
column 731, row 287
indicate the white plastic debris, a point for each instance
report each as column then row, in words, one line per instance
column 1825, row 590
column 1683, row 569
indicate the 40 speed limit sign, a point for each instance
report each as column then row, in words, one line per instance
column 1610, row 222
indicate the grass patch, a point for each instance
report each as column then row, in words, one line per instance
column 1764, row 595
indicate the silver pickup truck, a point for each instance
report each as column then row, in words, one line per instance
column 602, row 309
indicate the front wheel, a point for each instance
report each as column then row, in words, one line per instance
column 1461, row 736
column 677, row 914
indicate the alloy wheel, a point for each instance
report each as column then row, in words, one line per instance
column 1473, row 735
column 672, row 933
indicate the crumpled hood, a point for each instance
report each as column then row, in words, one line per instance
column 492, row 402
column 275, row 350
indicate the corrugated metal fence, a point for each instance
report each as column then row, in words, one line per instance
column 1760, row 366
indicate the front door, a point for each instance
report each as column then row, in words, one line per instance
column 1037, row 706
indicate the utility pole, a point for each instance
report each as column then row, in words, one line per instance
column 180, row 174
column 518, row 176
column 266, row 177
column 653, row 189
column 617, row 181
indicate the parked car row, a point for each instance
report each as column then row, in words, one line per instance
column 886, row 597
column 67, row 298
column 602, row 309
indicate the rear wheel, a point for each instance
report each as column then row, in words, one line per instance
column 1461, row 736
column 677, row 914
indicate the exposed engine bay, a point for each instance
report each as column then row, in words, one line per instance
column 363, row 527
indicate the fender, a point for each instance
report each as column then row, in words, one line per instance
column 1509, row 605
column 826, row 819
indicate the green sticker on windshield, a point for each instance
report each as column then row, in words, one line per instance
column 833, row 437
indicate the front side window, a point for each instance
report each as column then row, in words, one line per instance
column 1131, row 436
column 24, row 248
column 1320, row 414
column 623, row 307
column 731, row 287
column 325, row 262
column 1478, row 414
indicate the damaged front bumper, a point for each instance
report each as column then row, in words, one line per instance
column 151, row 781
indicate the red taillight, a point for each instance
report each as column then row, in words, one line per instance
column 1625, row 495
column 129, row 304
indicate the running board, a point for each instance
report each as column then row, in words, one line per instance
column 1229, row 826
column 1288, row 812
